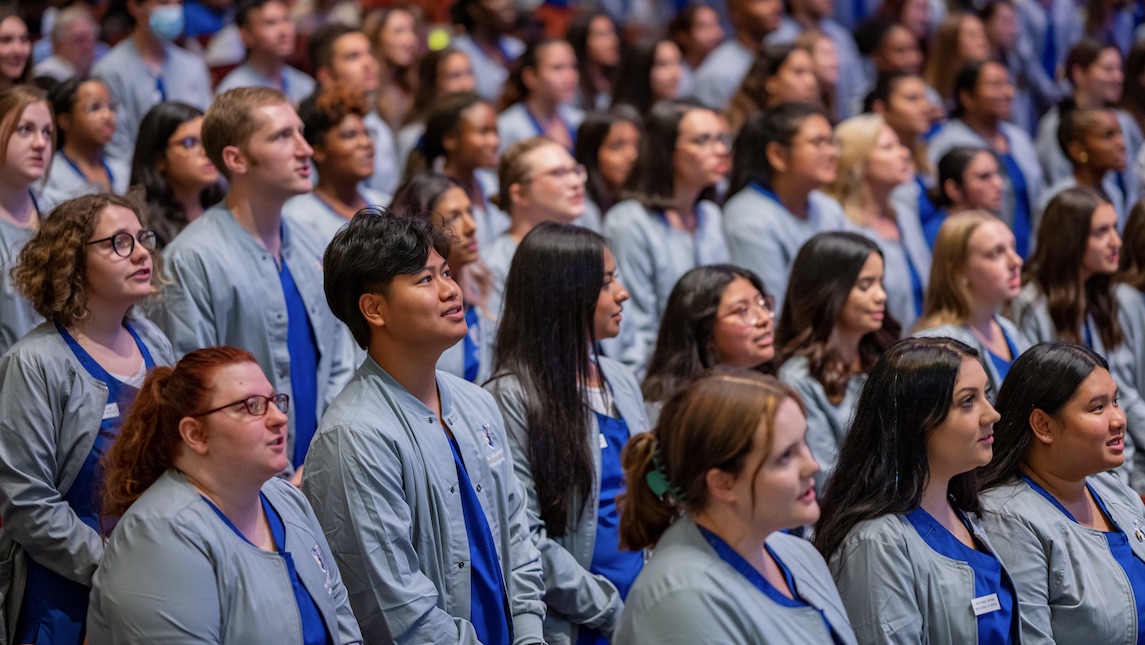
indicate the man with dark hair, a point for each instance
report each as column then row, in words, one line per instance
column 409, row 474
column 268, row 34
column 719, row 76
column 147, row 68
column 343, row 55
column 242, row 276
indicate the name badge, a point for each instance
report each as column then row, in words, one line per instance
column 111, row 410
column 603, row 442
column 986, row 604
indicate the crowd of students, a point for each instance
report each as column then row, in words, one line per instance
column 634, row 323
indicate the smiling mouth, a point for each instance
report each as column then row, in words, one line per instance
column 452, row 311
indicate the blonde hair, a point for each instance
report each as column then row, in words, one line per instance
column 948, row 299
column 857, row 138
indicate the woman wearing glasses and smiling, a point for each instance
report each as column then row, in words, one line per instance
column 668, row 222
column 64, row 389
column 193, row 475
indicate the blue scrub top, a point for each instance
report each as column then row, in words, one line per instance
column 930, row 217
column 472, row 344
column 1118, row 542
column 314, row 631
column 737, row 562
column 1023, row 219
column 489, row 606
column 55, row 608
column 619, row 567
column 303, row 350
column 1001, row 364
column 996, row 626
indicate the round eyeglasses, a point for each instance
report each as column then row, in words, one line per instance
column 123, row 243
column 753, row 313
column 256, row 405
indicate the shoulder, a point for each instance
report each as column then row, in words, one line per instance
column 626, row 217
column 957, row 332
column 796, row 368
column 1011, row 498
column 112, row 62
column 207, row 232
column 287, row 499
column 881, row 533
column 184, row 59
column 467, row 395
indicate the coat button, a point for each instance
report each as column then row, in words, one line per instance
column 460, row 565
column 452, row 489
column 478, row 488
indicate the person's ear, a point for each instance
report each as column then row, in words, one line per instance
column 777, row 156
column 721, row 485
column 235, row 161
column 374, row 309
column 1042, row 426
column 194, row 434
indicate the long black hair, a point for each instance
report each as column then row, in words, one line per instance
column 546, row 341
column 779, row 125
column 822, row 276
column 653, row 178
column 590, row 137
column 684, row 345
column 633, row 84
column 1045, row 377
column 165, row 213
column 882, row 466
column 442, row 120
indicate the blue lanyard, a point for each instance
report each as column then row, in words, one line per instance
column 541, row 130
column 102, row 161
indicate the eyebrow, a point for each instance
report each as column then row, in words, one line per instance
column 966, row 390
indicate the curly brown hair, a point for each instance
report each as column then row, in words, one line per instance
column 51, row 270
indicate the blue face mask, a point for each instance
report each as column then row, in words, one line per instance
column 166, row 22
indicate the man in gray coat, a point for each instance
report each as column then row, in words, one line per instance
column 410, row 473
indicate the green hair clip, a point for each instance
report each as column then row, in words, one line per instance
column 657, row 479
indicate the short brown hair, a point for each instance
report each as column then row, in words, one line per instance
column 514, row 168
column 51, row 270
column 230, row 121
column 710, row 423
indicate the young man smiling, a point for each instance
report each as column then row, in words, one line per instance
column 410, row 474
column 243, row 276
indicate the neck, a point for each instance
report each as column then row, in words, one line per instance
column 748, row 40
column 17, row 205
column 1089, row 177
column 875, row 201
column 460, row 172
column 149, row 47
column 981, row 318
column 191, row 201
column 985, row 126
column 485, row 35
column 343, row 189
column 1085, row 100
column 846, row 343
column 805, row 19
column 521, row 225
column 269, row 65
column 792, row 195
column 935, row 496
column 413, row 368
column 541, row 109
column 1067, row 488
column 743, row 538
column 83, row 151
column 104, row 324
column 238, row 500
column 684, row 198
column 258, row 215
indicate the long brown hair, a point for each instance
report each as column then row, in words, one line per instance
column 1062, row 239
column 149, row 439
column 948, row 301
column 710, row 423
column 1132, row 266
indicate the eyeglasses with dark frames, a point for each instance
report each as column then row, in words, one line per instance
column 256, row 405
column 123, row 243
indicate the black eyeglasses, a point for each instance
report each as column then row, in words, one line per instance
column 256, row 405
column 123, row 243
